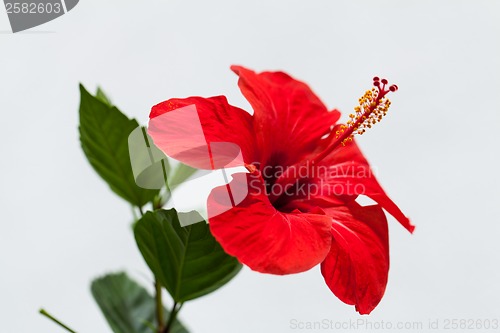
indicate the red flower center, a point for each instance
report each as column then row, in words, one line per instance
column 373, row 106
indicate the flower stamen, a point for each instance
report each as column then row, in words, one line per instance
column 373, row 106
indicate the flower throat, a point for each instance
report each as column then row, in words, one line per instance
column 373, row 106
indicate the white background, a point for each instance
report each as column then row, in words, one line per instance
column 436, row 154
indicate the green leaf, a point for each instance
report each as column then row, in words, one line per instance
column 104, row 132
column 127, row 306
column 103, row 97
column 188, row 261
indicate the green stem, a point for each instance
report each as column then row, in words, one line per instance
column 173, row 315
column 164, row 168
column 158, row 301
column 159, row 307
column 48, row 315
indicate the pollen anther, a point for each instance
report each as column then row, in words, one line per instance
column 373, row 106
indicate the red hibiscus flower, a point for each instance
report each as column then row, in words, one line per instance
column 305, row 175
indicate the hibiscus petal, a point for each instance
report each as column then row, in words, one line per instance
column 349, row 174
column 356, row 269
column 263, row 238
column 289, row 119
column 205, row 133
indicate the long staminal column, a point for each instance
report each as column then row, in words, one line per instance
column 373, row 106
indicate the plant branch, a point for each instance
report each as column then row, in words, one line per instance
column 173, row 315
column 48, row 315
column 159, row 307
